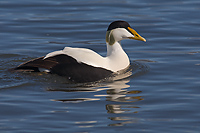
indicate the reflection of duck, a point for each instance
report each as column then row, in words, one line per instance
column 84, row 65
column 118, row 92
column 118, row 97
column 122, row 103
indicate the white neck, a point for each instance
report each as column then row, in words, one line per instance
column 112, row 49
column 118, row 59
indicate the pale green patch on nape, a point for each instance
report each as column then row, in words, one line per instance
column 110, row 38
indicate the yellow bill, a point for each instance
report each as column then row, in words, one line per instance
column 136, row 35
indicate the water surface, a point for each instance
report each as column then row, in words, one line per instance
column 162, row 95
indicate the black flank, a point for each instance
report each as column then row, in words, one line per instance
column 67, row 66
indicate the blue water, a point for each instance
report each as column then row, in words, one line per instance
column 162, row 95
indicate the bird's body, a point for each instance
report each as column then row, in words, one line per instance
column 85, row 65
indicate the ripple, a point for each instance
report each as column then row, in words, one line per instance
column 13, row 85
column 76, row 100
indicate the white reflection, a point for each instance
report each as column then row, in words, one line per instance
column 85, row 124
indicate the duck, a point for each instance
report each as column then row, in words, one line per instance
column 82, row 65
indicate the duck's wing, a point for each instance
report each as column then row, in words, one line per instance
column 40, row 63
column 64, row 65
column 32, row 65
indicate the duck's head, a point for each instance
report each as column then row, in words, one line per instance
column 120, row 30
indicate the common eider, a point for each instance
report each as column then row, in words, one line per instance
column 84, row 65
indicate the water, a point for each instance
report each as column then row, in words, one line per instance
column 161, row 96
